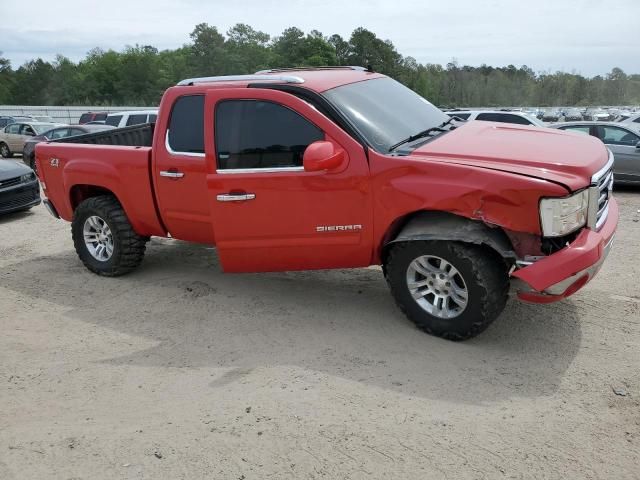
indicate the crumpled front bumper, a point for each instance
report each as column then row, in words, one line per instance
column 565, row 272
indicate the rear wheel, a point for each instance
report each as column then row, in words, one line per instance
column 448, row 289
column 4, row 151
column 104, row 239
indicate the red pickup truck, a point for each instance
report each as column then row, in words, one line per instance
column 299, row 169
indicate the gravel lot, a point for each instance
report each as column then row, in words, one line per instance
column 178, row 371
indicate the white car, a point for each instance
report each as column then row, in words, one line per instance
column 135, row 117
column 519, row 118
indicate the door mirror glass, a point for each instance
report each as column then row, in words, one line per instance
column 322, row 155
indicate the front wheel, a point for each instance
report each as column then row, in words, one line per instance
column 104, row 239
column 451, row 290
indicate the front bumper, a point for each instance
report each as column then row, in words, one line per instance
column 24, row 195
column 565, row 272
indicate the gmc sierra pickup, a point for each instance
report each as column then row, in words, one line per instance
column 318, row 168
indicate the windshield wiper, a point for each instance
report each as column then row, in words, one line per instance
column 424, row 133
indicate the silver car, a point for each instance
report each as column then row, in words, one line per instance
column 622, row 139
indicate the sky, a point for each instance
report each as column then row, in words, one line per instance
column 588, row 37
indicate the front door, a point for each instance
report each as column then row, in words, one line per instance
column 626, row 154
column 268, row 213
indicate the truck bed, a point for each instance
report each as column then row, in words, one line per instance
column 69, row 170
column 133, row 136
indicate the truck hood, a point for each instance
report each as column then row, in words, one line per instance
column 561, row 157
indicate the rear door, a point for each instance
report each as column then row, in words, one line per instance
column 285, row 218
column 623, row 143
column 180, row 172
column 11, row 135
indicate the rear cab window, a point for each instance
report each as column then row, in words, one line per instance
column 186, row 126
column 256, row 134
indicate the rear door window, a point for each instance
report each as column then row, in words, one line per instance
column 578, row 129
column 616, row 136
column 100, row 116
column 113, row 120
column 137, row 119
column 186, row 125
column 14, row 128
column 58, row 133
column 254, row 134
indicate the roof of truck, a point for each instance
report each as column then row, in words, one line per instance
column 319, row 79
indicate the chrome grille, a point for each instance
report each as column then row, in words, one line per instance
column 599, row 194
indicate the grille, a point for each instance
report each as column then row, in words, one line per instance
column 16, row 200
column 9, row 182
column 599, row 194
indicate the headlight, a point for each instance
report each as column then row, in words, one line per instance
column 560, row 216
column 28, row 177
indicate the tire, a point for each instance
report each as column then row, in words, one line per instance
column 127, row 247
column 4, row 151
column 481, row 274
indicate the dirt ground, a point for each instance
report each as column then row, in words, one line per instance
column 178, row 371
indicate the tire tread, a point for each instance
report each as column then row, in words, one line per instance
column 131, row 246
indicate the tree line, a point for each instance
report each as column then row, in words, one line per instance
column 138, row 75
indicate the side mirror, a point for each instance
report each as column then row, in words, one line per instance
column 322, row 155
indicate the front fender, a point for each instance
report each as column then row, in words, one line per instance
column 433, row 225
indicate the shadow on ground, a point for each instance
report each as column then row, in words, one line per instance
column 15, row 216
column 341, row 322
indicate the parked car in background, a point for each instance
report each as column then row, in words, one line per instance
column 519, row 118
column 126, row 119
column 572, row 115
column 623, row 140
column 551, row 115
column 19, row 188
column 14, row 136
column 28, row 151
column 92, row 116
column 96, row 122
column 8, row 120
column 633, row 118
column 598, row 115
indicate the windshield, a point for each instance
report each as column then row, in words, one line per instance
column 385, row 111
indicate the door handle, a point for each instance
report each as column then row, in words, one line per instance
column 171, row 174
column 239, row 197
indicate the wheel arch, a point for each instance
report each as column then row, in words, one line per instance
column 446, row 226
column 80, row 192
